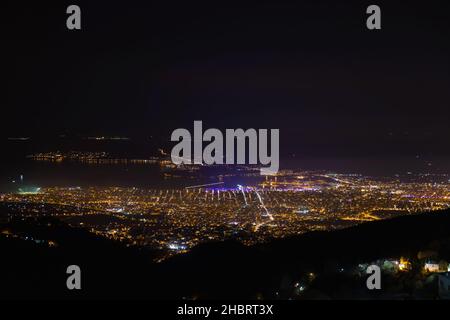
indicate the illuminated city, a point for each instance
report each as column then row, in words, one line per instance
column 231, row 159
column 290, row 203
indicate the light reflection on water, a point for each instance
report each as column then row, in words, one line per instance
column 44, row 174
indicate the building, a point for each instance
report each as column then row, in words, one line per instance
column 444, row 285
column 433, row 266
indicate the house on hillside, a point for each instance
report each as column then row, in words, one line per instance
column 434, row 266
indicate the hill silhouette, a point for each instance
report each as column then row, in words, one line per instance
column 209, row 271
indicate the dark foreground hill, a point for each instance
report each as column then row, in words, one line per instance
column 215, row 270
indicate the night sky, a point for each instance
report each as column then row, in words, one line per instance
column 310, row 68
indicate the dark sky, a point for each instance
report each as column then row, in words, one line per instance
column 309, row 68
